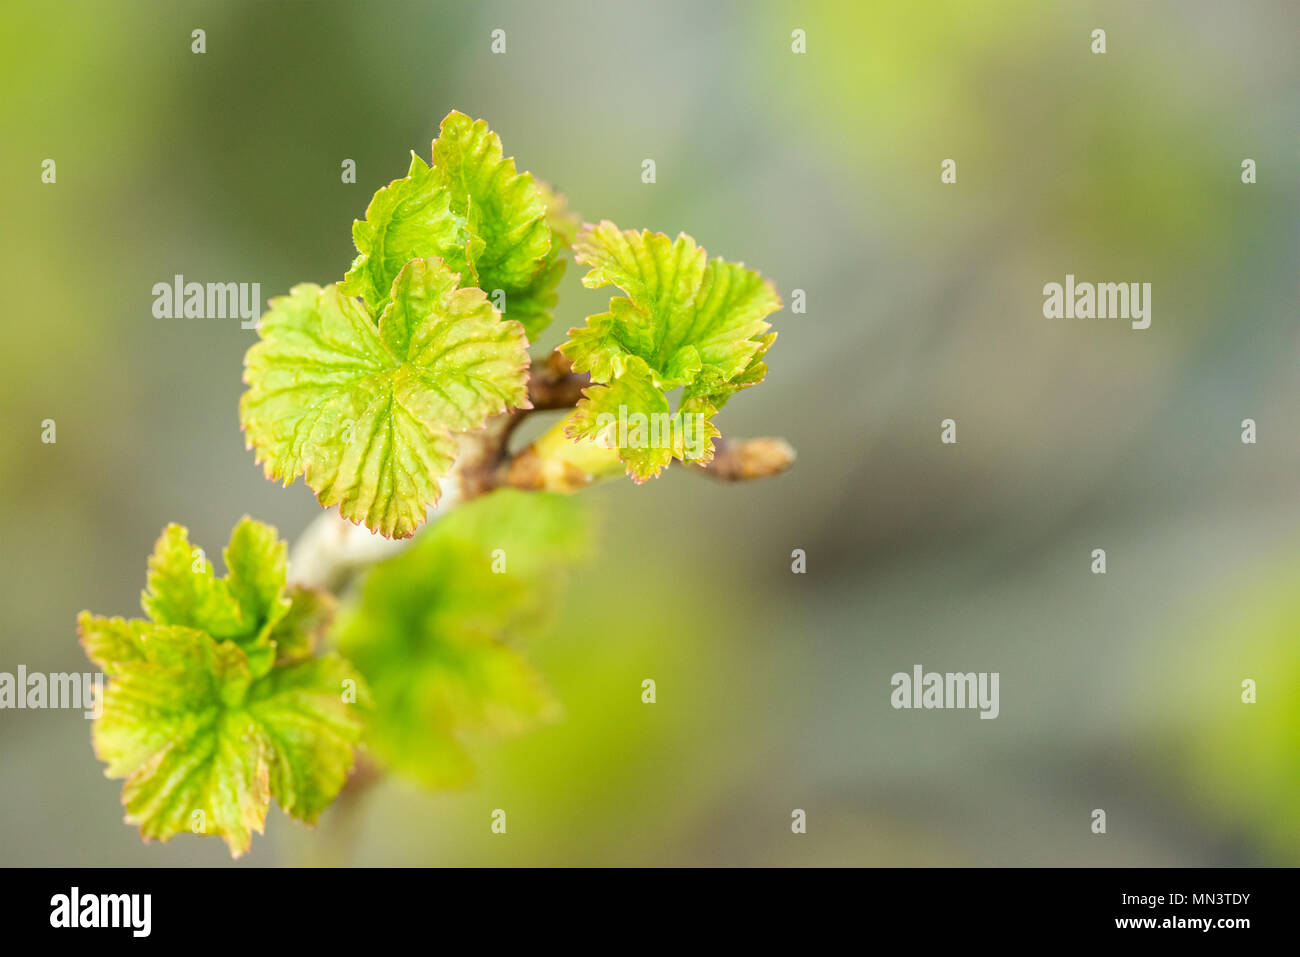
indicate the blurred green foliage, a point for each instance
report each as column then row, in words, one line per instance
column 436, row 630
column 924, row 301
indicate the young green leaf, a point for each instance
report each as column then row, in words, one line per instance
column 410, row 218
column 534, row 303
column 183, row 590
column 367, row 414
column 242, row 607
column 305, row 710
column 204, row 730
column 634, row 391
column 192, row 758
column 503, row 208
column 432, row 632
column 310, row 614
column 112, row 643
column 472, row 209
column 257, row 562
column 686, row 322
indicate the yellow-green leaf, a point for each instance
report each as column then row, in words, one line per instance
column 368, row 414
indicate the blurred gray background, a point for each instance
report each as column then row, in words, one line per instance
column 821, row 170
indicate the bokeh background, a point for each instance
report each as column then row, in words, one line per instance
column 821, row 170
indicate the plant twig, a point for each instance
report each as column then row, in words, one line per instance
column 332, row 550
column 738, row 460
column 553, row 384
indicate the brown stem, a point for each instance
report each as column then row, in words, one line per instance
column 552, row 383
column 738, row 460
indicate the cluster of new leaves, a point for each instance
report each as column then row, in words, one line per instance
column 435, row 631
column 217, row 702
column 473, row 210
column 457, row 267
column 362, row 387
column 686, row 322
